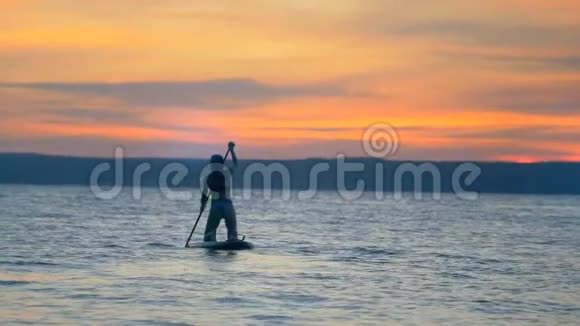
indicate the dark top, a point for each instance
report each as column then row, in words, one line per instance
column 216, row 182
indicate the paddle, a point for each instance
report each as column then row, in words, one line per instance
column 202, row 209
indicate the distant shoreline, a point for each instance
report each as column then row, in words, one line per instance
column 495, row 177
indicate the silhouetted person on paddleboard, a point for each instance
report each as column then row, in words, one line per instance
column 217, row 185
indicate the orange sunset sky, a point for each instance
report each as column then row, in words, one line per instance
column 459, row 80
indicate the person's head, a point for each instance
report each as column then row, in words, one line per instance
column 216, row 159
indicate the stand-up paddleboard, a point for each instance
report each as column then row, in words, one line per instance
column 224, row 245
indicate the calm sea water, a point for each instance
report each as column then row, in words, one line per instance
column 68, row 258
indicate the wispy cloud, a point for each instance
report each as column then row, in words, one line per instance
column 494, row 33
column 217, row 94
column 539, row 133
column 566, row 63
column 552, row 98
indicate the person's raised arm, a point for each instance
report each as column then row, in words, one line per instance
column 231, row 146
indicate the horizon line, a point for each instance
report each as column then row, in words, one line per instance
column 73, row 156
